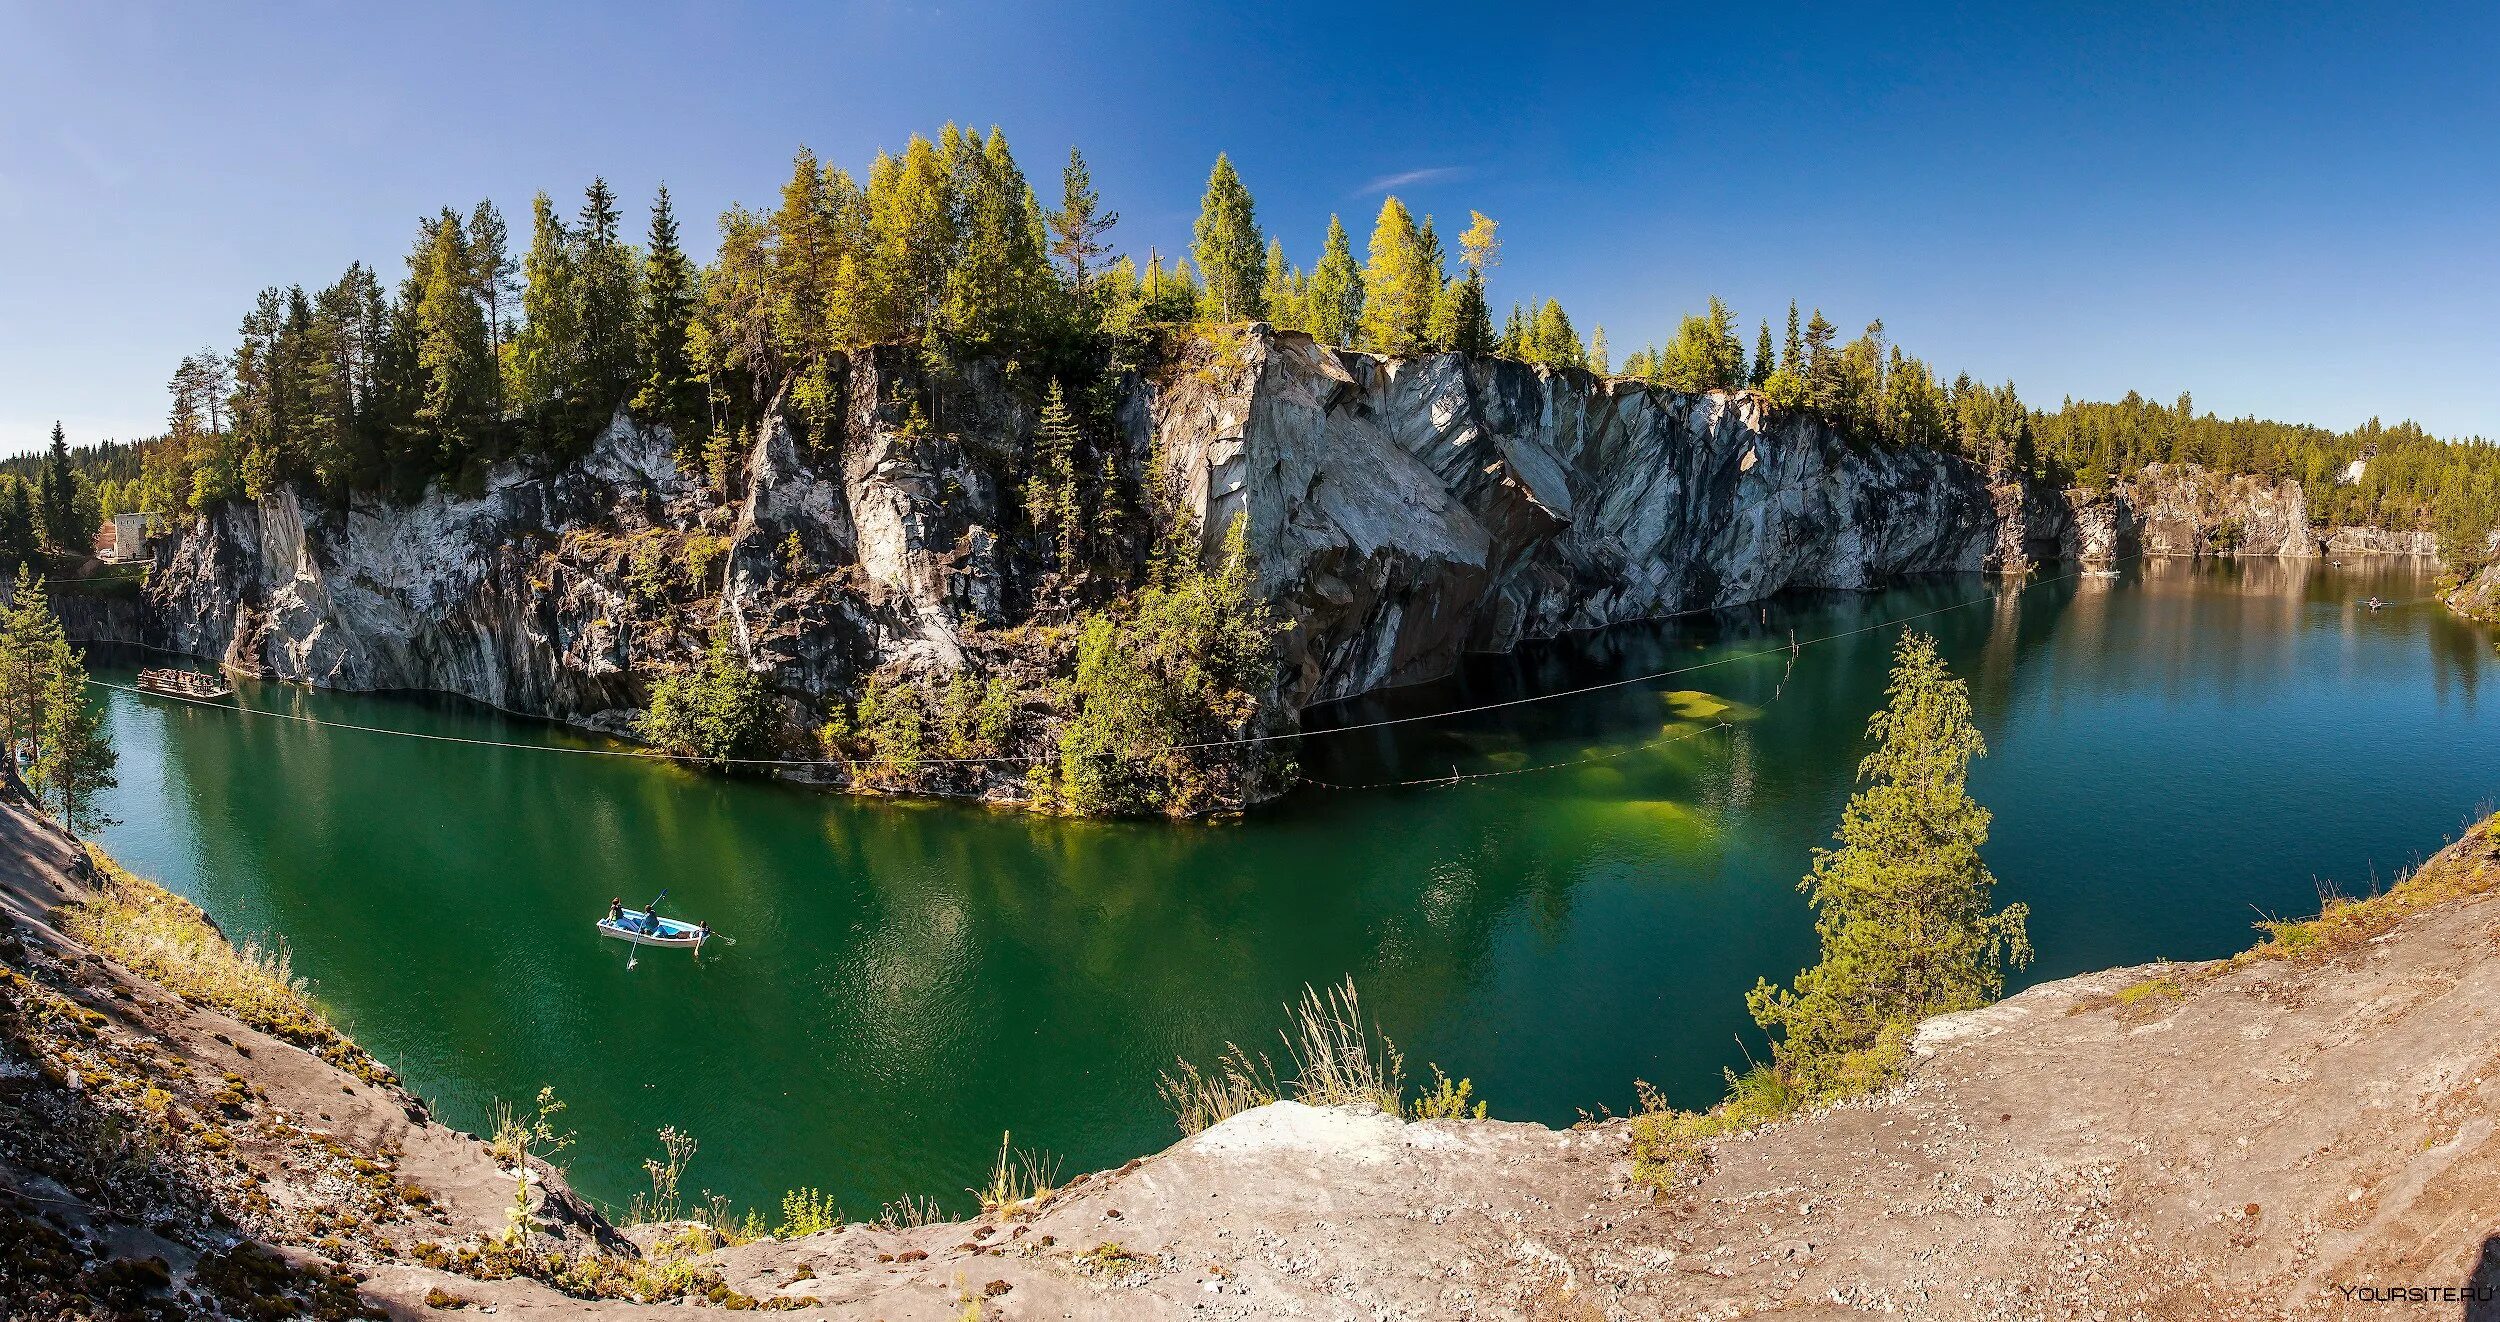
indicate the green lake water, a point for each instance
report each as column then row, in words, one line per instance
column 2173, row 753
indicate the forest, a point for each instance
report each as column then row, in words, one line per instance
column 479, row 355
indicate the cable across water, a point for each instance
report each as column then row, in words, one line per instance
column 1791, row 648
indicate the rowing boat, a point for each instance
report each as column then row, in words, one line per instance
column 638, row 927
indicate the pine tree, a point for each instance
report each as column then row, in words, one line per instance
column 31, row 647
column 669, row 393
column 1794, row 358
column 1763, row 363
column 1397, row 288
column 490, row 255
column 74, row 760
column 1336, row 290
column 1078, row 226
column 1598, row 361
column 1230, row 256
column 1902, row 905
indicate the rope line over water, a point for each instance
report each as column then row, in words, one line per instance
column 1791, row 648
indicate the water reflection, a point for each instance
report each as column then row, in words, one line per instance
column 2171, row 750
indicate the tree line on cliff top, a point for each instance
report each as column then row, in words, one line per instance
column 479, row 355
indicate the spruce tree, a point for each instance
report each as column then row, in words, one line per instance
column 1277, row 289
column 1472, row 331
column 21, row 540
column 1794, row 358
column 1336, row 290
column 1050, row 496
column 1231, row 258
column 1763, row 364
column 604, row 287
column 1551, row 340
column 994, row 291
column 452, row 355
column 57, row 501
column 669, row 393
column 546, row 351
column 1902, row 905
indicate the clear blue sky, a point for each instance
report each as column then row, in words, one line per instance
column 2290, row 211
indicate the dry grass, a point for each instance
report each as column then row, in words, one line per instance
column 910, row 1212
column 1338, row 1060
column 167, row 939
column 1021, row 1178
column 1200, row 1099
column 2470, row 867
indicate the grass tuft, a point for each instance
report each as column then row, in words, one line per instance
column 167, row 939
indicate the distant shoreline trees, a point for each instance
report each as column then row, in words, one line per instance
column 944, row 248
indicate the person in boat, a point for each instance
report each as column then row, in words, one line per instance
column 651, row 918
column 616, row 909
column 702, row 931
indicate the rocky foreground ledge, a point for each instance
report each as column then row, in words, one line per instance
column 2297, row 1132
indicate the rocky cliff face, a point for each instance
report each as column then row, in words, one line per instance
column 1400, row 513
column 1405, row 511
column 2174, row 510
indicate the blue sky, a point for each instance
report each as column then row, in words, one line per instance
column 2291, row 211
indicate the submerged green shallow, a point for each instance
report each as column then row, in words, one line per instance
column 2174, row 753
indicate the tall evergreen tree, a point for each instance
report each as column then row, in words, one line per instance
column 547, row 350
column 995, row 287
column 1902, row 905
column 1336, row 288
column 21, row 540
column 1231, row 257
column 74, row 760
column 1472, row 325
column 1286, row 292
column 669, row 394
column 1551, row 341
column 64, row 529
column 490, row 253
column 1050, row 496
column 1398, row 288
column 453, row 356
column 1794, row 358
column 1763, row 363
column 604, row 286
column 1078, row 226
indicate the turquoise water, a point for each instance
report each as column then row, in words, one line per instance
column 2174, row 753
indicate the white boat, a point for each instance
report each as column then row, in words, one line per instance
column 639, row 927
